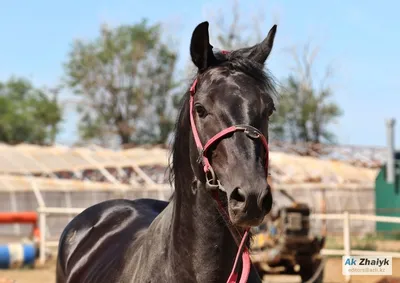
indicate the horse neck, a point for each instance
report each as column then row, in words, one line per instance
column 201, row 241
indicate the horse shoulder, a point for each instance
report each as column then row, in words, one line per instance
column 97, row 239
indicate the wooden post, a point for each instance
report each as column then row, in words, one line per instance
column 324, row 229
column 346, row 239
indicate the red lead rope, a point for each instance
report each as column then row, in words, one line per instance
column 245, row 255
column 245, row 263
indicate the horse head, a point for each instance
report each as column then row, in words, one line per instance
column 231, row 101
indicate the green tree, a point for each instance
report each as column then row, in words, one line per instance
column 305, row 109
column 125, row 77
column 27, row 114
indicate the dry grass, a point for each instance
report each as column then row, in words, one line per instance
column 369, row 242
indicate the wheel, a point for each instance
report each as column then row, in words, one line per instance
column 313, row 273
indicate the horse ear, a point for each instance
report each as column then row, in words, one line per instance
column 201, row 50
column 261, row 51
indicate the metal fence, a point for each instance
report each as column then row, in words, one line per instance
column 320, row 200
column 64, row 200
column 346, row 218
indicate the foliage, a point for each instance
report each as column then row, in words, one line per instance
column 27, row 114
column 304, row 113
column 305, row 110
column 125, row 77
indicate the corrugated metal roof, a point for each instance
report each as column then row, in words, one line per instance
column 22, row 183
column 23, row 159
column 285, row 168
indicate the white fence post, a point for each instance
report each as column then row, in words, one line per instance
column 346, row 238
column 42, row 225
column 161, row 194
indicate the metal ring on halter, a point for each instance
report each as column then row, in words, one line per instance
column 211, row 182
column 220, row 187
column 252, row 133
column 213, row 185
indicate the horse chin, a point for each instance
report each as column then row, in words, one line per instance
column 245, row 223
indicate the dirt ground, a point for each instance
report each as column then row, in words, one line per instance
column 333, row 274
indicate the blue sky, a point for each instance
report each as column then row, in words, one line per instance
column 360, row 39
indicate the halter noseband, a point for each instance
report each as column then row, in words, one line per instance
column 214, row 184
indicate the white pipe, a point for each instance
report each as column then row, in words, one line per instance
column 359, row 253
column 346, row 239
column 390, row 166
column 363, row 217
column 60, row 210
column 36, row 191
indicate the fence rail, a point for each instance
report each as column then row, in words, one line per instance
column 346, row 218
column 366, row 217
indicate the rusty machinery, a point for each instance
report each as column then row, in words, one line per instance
column 283, row 244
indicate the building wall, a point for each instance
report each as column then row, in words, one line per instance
column 387, row 200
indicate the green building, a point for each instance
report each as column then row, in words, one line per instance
column 387, row 185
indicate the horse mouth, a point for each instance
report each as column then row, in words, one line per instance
column 245, row 222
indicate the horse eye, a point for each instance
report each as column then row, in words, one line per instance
column 201, row 111
column 271, row 111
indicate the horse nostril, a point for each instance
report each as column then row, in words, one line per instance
column 266, row 200
column 238, row 196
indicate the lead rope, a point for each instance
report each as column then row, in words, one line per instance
column 242, row 248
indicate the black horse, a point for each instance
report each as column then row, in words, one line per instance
column 187, row 239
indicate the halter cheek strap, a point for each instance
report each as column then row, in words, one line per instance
column 213, row 183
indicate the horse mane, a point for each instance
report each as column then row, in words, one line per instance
column 180, row 170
